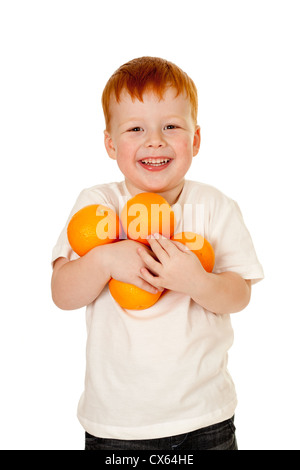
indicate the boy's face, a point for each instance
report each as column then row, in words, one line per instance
column 153, row 141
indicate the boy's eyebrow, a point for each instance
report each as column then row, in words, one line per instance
column 175, row 116
column 130, row 119
column 140, row 118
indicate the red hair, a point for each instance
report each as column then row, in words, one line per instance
column 148, row 73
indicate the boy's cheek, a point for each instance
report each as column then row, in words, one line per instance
column 184, row 145
column 123, row 150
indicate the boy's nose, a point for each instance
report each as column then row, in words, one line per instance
column 155, row 139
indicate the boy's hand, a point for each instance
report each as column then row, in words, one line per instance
column 176, row 268
column 179, row 269
column 124, row 263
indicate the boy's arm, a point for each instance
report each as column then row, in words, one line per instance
column 77, row 283
column 178, row 269
column 222, row 293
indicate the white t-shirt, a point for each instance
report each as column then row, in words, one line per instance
column 163, row 371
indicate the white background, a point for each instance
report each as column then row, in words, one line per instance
column 56, row 57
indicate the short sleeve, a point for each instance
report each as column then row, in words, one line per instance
column 62, row 247
column 234, row 250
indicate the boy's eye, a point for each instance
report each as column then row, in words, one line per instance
column 135, row 129
column 170, row 126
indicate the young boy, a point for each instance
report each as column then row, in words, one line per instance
column 157, row 379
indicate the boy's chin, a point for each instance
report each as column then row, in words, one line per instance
column 152, row 188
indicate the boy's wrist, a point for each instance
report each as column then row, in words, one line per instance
column 201, row 285
column 103, row 259
column 207, row 291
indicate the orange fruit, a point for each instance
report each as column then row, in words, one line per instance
column 200, row 246
column 130, row 296
column 92, row 226
column 146, row 214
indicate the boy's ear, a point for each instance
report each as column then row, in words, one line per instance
column 109, row 145
column 197, row 141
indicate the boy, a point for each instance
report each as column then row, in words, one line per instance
column 157, row 379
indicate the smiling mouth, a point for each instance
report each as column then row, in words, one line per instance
column 155, row 162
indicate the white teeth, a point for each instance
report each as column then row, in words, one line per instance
column 156, row 161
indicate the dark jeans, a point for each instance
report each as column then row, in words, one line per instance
column 219, row 436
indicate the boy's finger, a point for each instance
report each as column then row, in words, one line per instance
column 157, row 248
column 154, row 281
column 149, row 261
column 147, row 286
column 181, row 246
column 166, row 244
